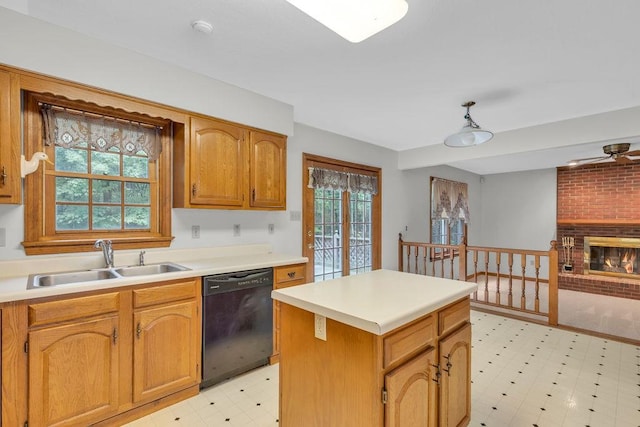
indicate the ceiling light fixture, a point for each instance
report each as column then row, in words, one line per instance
column 354, row 20
column 202, row 26
column 471, row 134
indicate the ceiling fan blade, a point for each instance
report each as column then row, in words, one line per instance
column 622, row 159
column 587, row 160
column 633, row 153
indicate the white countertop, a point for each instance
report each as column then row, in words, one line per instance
column 377, row 302
column 201, row 262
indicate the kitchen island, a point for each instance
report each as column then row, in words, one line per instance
column 383, row 348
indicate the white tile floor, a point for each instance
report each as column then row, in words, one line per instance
column 523, row 374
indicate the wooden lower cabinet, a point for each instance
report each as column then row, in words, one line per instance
column 165, row 356
column 109, row 358
column 417, row 375
column 455, row 364
column 73, row 373
column 406, row 388
column 284, row 277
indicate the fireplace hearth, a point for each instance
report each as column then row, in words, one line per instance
column 612, row 256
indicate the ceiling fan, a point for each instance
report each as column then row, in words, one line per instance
column 618, row 152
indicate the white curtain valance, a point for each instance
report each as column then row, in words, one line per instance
column 344, row 181
column 70, row 128
column 449, row 200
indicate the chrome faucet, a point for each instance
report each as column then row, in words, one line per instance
column 141, row 259
column 107, row 251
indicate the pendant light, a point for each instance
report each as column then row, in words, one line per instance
column 471, row 134
column 354, row 20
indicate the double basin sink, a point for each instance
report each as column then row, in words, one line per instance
column 63, row 278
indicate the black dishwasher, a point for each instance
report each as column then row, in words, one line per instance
column 237, row 317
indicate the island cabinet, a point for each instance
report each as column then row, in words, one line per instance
column 227, row 166
column 284, row 277
column 340, row 368
column 107, row 358
column 10, row 181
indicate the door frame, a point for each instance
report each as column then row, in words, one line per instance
column 308, row 212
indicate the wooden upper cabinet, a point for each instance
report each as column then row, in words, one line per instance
column 9, row 138
column 217, row 163
column 268, row 170
column 222, row 165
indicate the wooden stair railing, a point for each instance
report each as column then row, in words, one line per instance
column 523, row 269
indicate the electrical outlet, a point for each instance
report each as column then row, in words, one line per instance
column 321, row 327
column 295, row 215
column 271, row 228
column 3, row 237
column 195, row 231
column 236, row 230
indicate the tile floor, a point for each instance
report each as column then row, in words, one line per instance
column 523, row 374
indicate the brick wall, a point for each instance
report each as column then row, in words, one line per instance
column 599, row 192
column 601, row 200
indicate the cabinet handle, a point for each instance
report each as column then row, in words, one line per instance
column 437, row 378
column 193, row 190
column 291, row 274
column 138, row 331
column 115, row 335
column 3, row 175
column 449, row 365
column 253, row 194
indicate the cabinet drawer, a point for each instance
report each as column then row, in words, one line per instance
column 402, row 343
column 165, row 293
column 73, row 308
column 453, row 316
column 289, row 275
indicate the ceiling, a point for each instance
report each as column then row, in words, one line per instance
column 524, row 63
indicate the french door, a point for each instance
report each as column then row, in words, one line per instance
column 341, row 228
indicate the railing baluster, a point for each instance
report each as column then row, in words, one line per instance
column 486, row 276
column 475, row 273
column 424, row 260
column 498, row 255
column 510, row 279
column 451, row 264
column 523, row 264
column 537, row 300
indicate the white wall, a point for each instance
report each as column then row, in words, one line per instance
column 418, row 185
column 519, row 209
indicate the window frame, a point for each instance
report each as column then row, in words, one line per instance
column 40, row 236
column 437, row 254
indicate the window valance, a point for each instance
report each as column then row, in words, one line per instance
column 344, row 181
column 70, row 128
column 449, row 200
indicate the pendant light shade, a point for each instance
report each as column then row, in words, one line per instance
column 471, row 134
column 354, row 20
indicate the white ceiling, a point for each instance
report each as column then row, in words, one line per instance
column 525, row 63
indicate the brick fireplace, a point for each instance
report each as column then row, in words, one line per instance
column 599, row 202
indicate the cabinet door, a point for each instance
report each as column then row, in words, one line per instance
column 73, row 373
column 412, row 393
column 9, row 140
column 217, row 163
column 166, row 350
column 268, row 170
column 455, row 382
column 284, row 277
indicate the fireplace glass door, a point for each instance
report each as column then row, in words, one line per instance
column 612, row 256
